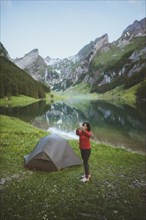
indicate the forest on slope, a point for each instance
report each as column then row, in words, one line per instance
column 15, row 81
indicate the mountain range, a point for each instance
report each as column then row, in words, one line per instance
column 100, row 65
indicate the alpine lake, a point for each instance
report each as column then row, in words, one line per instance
column 118, row 124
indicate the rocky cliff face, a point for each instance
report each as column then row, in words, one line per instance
column 94, row 63
column 74, row 69
column 122, row 59
column 138, row 28
column 34, row 64
column 4, row 52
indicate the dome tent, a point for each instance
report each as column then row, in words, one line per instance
column 52, row 153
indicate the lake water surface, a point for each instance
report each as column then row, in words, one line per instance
column 115, row 123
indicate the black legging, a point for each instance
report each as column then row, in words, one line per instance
column 85, row 153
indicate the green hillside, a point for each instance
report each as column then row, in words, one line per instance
column 113, row 61
column 15, row 81
column 116, row 57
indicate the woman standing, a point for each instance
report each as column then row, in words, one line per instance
column 85, row 134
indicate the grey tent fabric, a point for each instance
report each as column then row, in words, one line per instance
column 52, row 153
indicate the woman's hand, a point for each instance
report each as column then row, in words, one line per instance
column 82, row 129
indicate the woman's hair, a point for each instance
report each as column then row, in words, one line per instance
column 88, row 125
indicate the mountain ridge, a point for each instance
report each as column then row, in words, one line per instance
column 100, row 64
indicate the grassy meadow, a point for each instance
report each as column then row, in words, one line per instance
column 19, row 100
column 116, row 190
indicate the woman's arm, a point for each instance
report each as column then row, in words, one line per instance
column 79, row 131
column 87, row 133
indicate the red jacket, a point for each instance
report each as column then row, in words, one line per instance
column 84, row 140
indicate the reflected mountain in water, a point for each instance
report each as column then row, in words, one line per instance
column 119, row 125
column 26, row 112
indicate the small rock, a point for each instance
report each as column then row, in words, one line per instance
column 2, row 181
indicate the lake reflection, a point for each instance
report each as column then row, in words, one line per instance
column 114, row 123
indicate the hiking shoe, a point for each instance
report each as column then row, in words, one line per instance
column 85, row 176
column 84, row 180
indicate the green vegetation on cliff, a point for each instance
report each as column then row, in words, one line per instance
column 117, row 64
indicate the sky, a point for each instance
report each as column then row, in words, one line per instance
column 60, row 29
